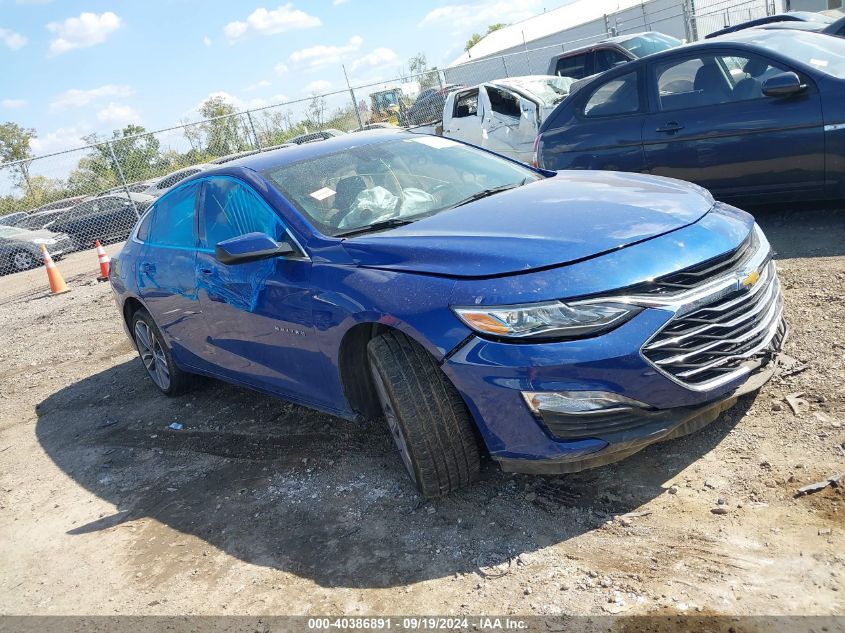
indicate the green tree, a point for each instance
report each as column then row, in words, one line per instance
column 316, row 112
column 428, row 77
column 15, row 146
column 223, row 130
column 476, row 38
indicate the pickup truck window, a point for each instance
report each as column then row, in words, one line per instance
column 466, row 104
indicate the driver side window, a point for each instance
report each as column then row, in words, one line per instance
column 711, row 79
column 230, row 208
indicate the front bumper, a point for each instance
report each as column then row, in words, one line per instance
column 717, row 341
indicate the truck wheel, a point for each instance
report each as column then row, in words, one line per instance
column 428, row 420
column 156, row 356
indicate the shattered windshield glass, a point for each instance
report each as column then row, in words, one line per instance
column 549, row 90
column 399, row 179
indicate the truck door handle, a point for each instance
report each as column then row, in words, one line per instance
column 670, row 128
column 148, row 268
column 205, row 271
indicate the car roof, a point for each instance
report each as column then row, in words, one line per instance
column 608, row 40
column 274, row 158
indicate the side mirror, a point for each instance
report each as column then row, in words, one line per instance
column 249, row 248
column 783, row 85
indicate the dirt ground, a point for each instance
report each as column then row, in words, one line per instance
column 258, row 506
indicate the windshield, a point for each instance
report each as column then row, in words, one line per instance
column 649, row 43
column 401, row 179
column 824, row 53
column 549, row 90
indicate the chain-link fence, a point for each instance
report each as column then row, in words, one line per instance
column 69, row 199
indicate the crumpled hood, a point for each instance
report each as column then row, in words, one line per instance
column 570, row 217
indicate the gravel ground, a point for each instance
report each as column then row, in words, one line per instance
column 258, row 506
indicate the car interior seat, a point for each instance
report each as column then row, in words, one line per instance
column 710, row 82
column 751, row 86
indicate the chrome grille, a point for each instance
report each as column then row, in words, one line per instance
column 724, row 339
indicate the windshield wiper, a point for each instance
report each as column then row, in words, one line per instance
column 377, row 226
column 484, row 193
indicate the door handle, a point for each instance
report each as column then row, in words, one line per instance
column 148, row 268
column 670, row 128
column 205, row 271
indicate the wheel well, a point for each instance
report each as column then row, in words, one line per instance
column 354, row 368
column 130, row 307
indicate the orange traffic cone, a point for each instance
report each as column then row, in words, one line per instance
column 104, row 261
column 57, row 282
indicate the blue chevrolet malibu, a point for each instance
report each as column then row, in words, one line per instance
column 754, row 116
column 557, row 321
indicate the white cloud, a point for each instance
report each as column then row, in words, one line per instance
column 76, row 98
column 206, row 40
column 13, row 103
column 58, row 140
column 281, row 69
column 378, row 57
column 258, row 85
column 264, row 22
column 318, row 87
column 118, row 114
column 89, row 29
column 472, row 16
column 339, row 2
column 322, row 55
column 12, row 40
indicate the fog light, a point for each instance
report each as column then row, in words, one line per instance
column 579, row 402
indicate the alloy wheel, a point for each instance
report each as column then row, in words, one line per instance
column 23, row 261
column 393, row 424
column 152, row 355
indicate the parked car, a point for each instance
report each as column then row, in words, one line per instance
column 10, row 219
column 476, row 304
column 503, row 115
column 798, row 20
column 64, row 203
column 754, row 115
column 39, row 220
column 105, row 218
column 835, row 28
column 20, row 249
column 230, row 157
column 428, row 108
column 315, row 136
column 596, row 58
column 159, row 186
column 135, row 187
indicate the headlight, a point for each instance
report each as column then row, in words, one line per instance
column 547, row 320
column 41, row 240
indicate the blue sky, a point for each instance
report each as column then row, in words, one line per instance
column 68, row 68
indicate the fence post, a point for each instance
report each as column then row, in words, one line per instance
column 352, row 96
column 122, row 179
column 527, row 56
column 505, row 64
column 254, row 133
column 689, row 5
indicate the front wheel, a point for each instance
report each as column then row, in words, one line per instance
column 426, row 415
column 24, row 260
column 156, row 356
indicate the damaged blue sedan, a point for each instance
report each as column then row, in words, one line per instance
column 556, row 321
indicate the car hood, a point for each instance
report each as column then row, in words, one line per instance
column 30, row 236
column 563, row 219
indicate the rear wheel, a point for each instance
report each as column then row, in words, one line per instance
column 24, row 260
column 427, row 417
column 156, row 356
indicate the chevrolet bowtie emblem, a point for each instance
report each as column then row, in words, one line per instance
column 751, row 279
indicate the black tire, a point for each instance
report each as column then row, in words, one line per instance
column 156, row 357
column 426, row 413
column 23, row 260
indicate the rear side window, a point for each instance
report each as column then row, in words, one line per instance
column 575, row 66
column 143, row 233
column 466, row 104
column 503, row 102
column 173, row 218
column 231, row 208
column 620, row 95
column 607, row 58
